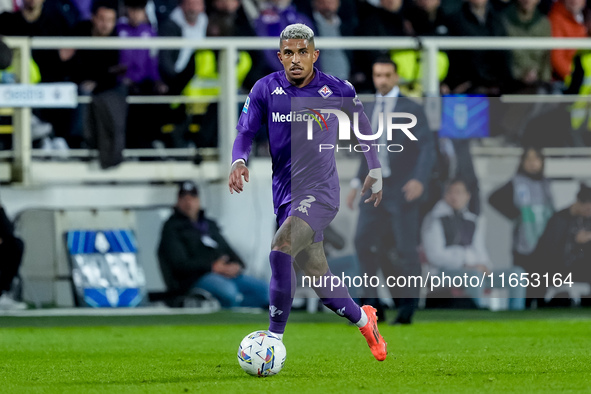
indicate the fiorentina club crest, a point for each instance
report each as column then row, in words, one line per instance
column 325, row 91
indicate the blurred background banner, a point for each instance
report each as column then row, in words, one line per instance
column 45, row 95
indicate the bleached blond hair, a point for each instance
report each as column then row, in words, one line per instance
column 297, row 31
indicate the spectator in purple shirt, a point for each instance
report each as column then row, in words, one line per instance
column 142, row 74
column 141, row 77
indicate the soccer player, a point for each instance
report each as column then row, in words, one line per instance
column 305, row 183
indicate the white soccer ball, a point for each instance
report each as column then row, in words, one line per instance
column 261, row 354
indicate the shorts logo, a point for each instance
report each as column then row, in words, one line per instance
column 305, row 204
column 273, row 311
column 246, row 104
column 325, row 91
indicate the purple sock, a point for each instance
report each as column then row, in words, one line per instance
column 338, row 299
column 281, row 290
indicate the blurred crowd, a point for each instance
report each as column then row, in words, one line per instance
column 195, row 73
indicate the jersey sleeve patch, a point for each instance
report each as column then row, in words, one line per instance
column 246, row 104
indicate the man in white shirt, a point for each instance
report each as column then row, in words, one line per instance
column 188, row 20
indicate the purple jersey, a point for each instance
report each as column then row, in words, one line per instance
column 298, row 168
column 141, row 64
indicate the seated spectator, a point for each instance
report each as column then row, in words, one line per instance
column 478, row 71
column 11, row 250
column 141, row 76
column 327, row 23
column 228, row 19
column 193, row 253
column 101, row 124
column 95, row 70
column 196, row 74
column 453, row 240
column 177, row 66
column 527, row 201
column 566, row 20
column 565, row 245
column 189, row 72
column 531, row 67
column 275, row 16
column 36, row 19
column 141, row 65
column 454, row 160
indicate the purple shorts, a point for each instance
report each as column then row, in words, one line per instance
column 315, row 213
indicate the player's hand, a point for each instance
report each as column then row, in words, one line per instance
column 238, row 171
column 376, row 198
column 412, row 190
column 351, row 197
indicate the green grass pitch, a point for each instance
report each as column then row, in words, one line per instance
column 444, row 351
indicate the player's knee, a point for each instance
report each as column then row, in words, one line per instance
column 281, row 243
column 285, row 248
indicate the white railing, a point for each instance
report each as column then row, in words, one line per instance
column 228, row 47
